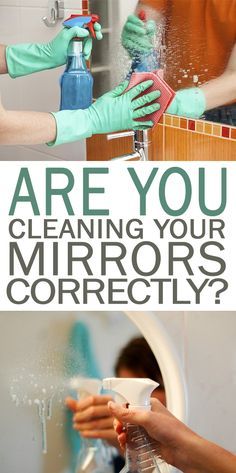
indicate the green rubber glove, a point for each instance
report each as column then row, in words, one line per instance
column 189, row 103
column 24, row 59
column 115, row 111
column 137, row 36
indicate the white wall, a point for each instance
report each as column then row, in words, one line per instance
column 205, row 343
column 21, row 21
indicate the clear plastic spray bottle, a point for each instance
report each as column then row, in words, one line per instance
column 142, row 452
column 77, row 80
column 95, row 456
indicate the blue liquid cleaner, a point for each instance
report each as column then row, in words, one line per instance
column 77, row 81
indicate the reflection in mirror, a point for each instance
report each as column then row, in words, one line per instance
column 195, row 43
column 43, row 360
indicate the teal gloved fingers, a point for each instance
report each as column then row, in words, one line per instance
column 189, row 103
column 138, row 89
column 142, row 112
column 103, row 118
column 87, row 48
column 135, row 25
column 57, row 49
column 88, row 42
column 137, row 36
column 98, row 31
column 145, row 99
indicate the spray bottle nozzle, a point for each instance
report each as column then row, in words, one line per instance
column 85, row 386
column 83, row 21
column 135, row 391
column 142, row 15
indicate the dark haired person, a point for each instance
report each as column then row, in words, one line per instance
column 136, row 360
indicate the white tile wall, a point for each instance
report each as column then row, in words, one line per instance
column 21, row 21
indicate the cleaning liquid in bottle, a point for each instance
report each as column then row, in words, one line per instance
column 145, row 62
column 77, row 80
column 95, row 456
column 142, row 452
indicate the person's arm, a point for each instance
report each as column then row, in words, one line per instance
column 3, row 62
column 92, row 418
column 73, row 125
column 26, row 128
column 179, row 446
column 23, row 59
column 222, row 90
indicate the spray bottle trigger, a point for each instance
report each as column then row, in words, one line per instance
column 142, row 15
column 82, row 21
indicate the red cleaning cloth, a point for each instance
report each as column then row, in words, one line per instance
column 167, row 94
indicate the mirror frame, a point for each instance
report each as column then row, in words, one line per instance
column 164, row 350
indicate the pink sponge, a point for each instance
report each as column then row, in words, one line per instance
column 167, row 94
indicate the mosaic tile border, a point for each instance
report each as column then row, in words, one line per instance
column 199, row 126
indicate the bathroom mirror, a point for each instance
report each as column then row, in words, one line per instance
column 194, row 47
column 39, row 352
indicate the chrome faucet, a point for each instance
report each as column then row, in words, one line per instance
column 140, row 145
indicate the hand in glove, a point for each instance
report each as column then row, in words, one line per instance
column 115, row 111
column 137, row 36
column 24, row 59
column 188, row 103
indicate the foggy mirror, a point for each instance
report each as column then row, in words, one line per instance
column 44, row 359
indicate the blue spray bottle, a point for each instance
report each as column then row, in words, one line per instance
column 77, row 81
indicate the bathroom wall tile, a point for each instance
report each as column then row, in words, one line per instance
column 176, row 121
column 208, row 128
column 9, row 16
column 225, row 132
column 157, row 143
column 191, row 125
column 200, row 126
column 36, row 4
column 181, row 145
column 183, row 123
column 11, row 93
column 32, row 26
column 233, row 133
column 168, row 119
column 28, row 24
column 68, row 152
column 216, row 130
column 48, row 4
column 9, row 3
